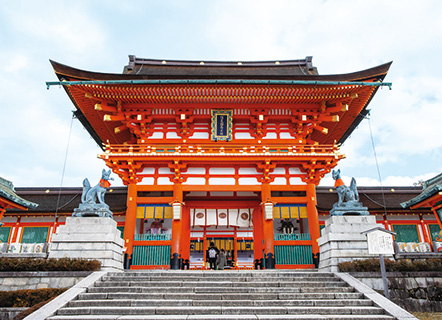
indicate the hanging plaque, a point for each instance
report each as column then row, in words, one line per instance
column 221, row 125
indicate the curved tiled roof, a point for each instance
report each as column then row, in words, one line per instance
column 180, row 81
column 431, row 187
column 7, row 192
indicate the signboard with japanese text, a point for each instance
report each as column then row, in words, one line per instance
column 380, row 242
column 221, row 125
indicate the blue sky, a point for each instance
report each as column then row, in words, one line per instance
column 342, row 36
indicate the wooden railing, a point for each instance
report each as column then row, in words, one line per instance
column 151, row 251
column 293, row 249
column 212, row 149
column 151, row 255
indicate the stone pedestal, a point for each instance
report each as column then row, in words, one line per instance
column 342, row 240
column 90, row 238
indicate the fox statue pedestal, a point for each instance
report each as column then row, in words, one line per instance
column 90, row 238
column 342, row 240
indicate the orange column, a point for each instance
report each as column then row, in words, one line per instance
column 313, row 221
column 177, row 226
column 258, row 235
column 268, row 235
column 185, row 236
column 129, row 225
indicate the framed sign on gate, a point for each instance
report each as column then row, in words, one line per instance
column 221, row 125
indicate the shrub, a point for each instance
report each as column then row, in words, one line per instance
column 30, row 310
column 27, row 298
column 372, row 265
column 63, row 264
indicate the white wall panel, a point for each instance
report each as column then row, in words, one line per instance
column 285, row 135
column 199, row 135
column 294, row 171
column 148, row 181
column 195, row 181
column 164, row 170
column 172, row 135
column 164, row 181
column 248, row 181
column 296, row 181
column 278, row 171
column 156, row 135
column 243, row 135
column 222, row 181
column 248, row 171
column 148, row 171
column 270, row 135
column 229, row 171
column 196, row 171
column 279, row 181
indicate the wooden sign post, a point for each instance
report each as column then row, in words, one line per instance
column 380, row 241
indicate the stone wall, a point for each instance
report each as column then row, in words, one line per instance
column 414, row 291
column 10, row 281
column 10, row 313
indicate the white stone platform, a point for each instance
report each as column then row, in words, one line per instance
column 342, row 240
column 90, row 238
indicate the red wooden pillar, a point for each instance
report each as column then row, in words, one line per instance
column 185, row 236
column 258, row 232
column 177, row 226
column 131, row 219
column 313, row 221
column 268, row 235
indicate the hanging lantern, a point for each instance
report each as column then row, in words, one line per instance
column 268, row 210
column 176, row 209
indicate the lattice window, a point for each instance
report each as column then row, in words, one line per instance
column 406, row 233
column 4, row 234
column 434, row 231
column 35, row 234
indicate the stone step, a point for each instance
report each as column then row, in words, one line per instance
column 218, row 284
column 214, row 310
column 218, row 278
column 223, row 273
column 215, row 302
column 224, row 317
column 217, row 290
column 220, row 295
column 285, row 296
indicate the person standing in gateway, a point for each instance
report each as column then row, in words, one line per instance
column 211, row 255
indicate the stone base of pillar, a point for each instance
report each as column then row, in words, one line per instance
column 89, row 238
column 342, row 240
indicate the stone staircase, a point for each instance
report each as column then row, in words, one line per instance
column 211, row 295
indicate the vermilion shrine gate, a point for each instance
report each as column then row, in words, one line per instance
column 222, row 151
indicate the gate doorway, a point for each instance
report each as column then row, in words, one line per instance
column 239, row 249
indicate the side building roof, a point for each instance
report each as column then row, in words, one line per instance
column 8, row 195
column 431, row 187
column 67, row 199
